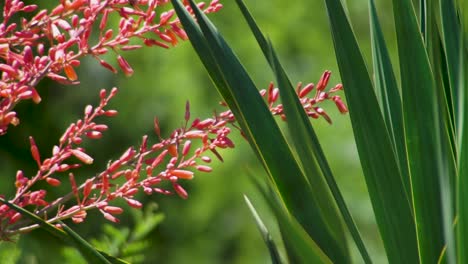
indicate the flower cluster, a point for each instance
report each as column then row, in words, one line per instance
column 143, row 169
column 310, row 104
column 51, row 43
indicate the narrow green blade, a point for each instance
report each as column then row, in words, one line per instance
column 272, row 248
column 462, row 192
column 444, row 95
column 303, row 135
column 423, row 17
column 379, row 164
column 296, row 239
column 386, row 88
column 268, row 142
column 450, row 31
column 300, row 247
column 426, row 134
column 91, row 254
column 305, row 140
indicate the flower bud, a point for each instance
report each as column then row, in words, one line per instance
column 85, row 158
column 125, row 66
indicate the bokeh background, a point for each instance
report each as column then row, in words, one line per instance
column 214, row 224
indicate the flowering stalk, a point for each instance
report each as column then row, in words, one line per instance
column 145, row 168
column 66, row 31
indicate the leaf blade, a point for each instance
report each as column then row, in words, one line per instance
column 267, row 140
column 379, row 164
column 426, row 133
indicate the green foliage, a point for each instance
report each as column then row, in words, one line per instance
column 411, row 136
column 234, row 84
column 68, row 236
column 9, row 252
column 130, row 244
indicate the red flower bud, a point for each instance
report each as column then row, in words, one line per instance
column 180, row 190
column 85, row 158
column 35, row 151
column 126, row 68
column 182, row 174
column 306, row 90
column 134, row 203
column 52, row 181
column 113, row 209
column 204, row 168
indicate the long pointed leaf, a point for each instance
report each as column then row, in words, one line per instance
column 462, row 192
column 303, row 135
column 300, row 247
column 267, row 140
column 426, row 135
column 386, row 190
column 386, row 88
column 272, row 248
column 451, row 38
column 305, row 139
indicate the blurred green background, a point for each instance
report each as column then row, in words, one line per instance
column 214, row 224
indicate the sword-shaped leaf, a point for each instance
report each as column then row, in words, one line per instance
column 266, row 138
column 386, row 189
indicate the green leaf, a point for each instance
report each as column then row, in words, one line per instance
column 303, row 135
column 91, row 254
column 265, row 137
column 86, row 249
column 426, row 135
column 272, row 248
column 450, row 32
column 380, row 167
column 309, row 151
column 300, row 247
column 462, row 192
column 386, row 88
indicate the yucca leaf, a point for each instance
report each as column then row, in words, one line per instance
column 450, row 32
column 423, row 17
column 300, row 247
column 298, row 243
column 386, row 189
column 305, row 139
column 272, row 248
column 386, row 88
column 444, row 95
column 303, row 134
column 265, row 137
column 426, row 135
column 462, row 192
column 322, row 223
